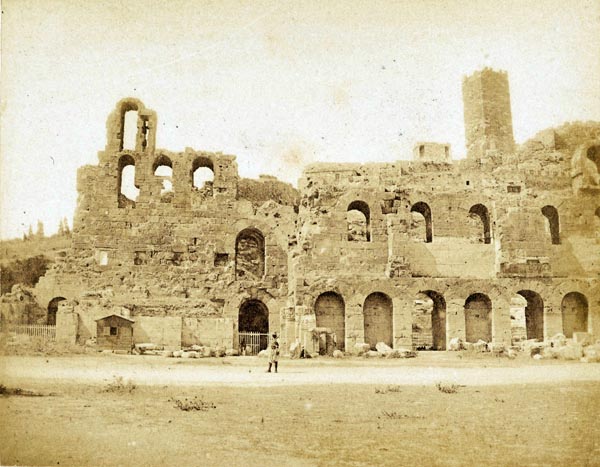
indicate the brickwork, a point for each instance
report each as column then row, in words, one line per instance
column 427, row 234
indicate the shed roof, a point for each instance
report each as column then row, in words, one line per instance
column 118, row 316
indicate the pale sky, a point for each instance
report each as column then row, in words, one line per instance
column 279, row 84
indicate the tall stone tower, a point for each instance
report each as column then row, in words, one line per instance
column 488, row 120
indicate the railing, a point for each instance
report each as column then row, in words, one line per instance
column 250, row 343
column 44, row 331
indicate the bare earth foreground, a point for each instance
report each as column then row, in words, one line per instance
column 351, row 412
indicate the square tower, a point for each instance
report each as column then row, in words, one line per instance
column 488, row 119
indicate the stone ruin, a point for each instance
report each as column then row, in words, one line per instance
column 502, row 246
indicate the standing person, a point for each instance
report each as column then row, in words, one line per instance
column 273, row 353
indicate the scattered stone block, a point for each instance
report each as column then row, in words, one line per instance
column 382, row 347
column 178, row 353
column 192, row 354
column 571, row 352
column 455, row 344
column 592, row 353
column 480, row 346
column 263, row 353
column 360, row 348
column 231, row 353
column 372, row 354
column 558, row 340
column 295, row 349
column 338, row 354
column 583, row 338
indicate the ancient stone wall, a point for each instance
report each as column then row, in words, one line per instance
column 411, row 253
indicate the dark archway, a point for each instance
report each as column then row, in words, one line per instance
column 250, row 255
column 534, row 314
column 52, row 309
column 253, row 326
column 330, row 313
column 378, row 313
column 478, row 318
column 481, row 212
column 574, row 309
column 425, row 211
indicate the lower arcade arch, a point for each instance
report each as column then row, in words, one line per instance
column 574, row 309
column 378, row 318
column 526, row 316
column 429, row 321
column 253, row 327
column 330, row 313
column 478, row 318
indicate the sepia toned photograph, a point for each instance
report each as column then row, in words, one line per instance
column 300, row 233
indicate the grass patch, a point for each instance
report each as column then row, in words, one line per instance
column 194, row 404
column 447, row 388
column 119, row 386
column 391, row 388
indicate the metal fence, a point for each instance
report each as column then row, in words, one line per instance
column 43, row 331
column 250, row 343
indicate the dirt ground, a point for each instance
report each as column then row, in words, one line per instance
column 315, row 412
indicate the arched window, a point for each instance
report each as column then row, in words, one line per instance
column 478, row 318
column 480, row 214
column 203, row 173
column 552, row 227
column 358, row 217
column 422, row 213
column 127, row 191
column 163, row 168
column 574, row 309
column 250, row 255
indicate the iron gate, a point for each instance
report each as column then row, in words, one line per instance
column 250, row 343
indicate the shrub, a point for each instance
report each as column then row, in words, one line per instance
column 119, row 386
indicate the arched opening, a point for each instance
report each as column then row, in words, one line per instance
column 203, row 173
column 429, row 321
column 526, row 316
column 330, row 313
column 253, row 327
column 597, row 221
column 552, row 226
column 478, row 318
column 593, row 154
column 421, row 221
column 574, row 309
column 163, row 169
column 358, row 217
column 128, row 191
column 130, row 130
column 52, row 309
column 250, row 255
column 480, row 218
column 378, row 316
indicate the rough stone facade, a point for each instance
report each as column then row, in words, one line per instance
column 503, row 245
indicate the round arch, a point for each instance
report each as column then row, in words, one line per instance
column 330, row 313
column 378, row 313
column 52, row 309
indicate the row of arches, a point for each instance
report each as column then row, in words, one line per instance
column 201, row 175
column 430, row 330
column 358, row 219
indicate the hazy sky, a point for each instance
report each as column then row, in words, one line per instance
column 279, row 84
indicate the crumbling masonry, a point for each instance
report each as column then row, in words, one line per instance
column 501, row 246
